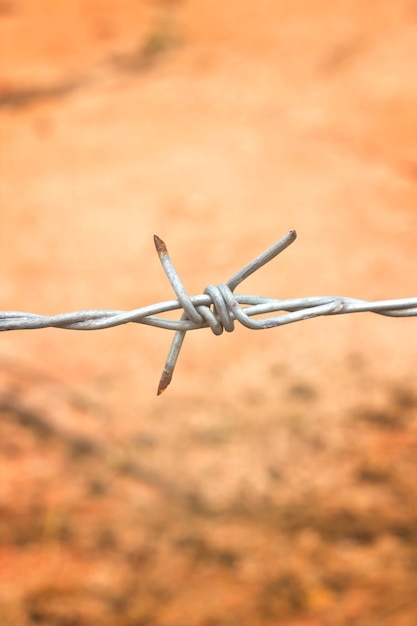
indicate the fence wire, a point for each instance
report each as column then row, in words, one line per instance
column 217, row 308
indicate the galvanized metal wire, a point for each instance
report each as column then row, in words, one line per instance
column 217, row 308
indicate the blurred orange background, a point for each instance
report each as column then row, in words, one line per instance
column 274, row 481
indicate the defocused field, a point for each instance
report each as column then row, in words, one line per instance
column 274, row 482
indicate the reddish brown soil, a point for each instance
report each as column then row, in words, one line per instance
column 275, row 481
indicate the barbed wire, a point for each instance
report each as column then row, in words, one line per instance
column 217, row 308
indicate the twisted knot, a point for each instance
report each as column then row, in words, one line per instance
column 218, row 317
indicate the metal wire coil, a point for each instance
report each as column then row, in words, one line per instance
column 217, row 308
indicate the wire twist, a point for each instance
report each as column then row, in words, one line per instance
column 217, row 308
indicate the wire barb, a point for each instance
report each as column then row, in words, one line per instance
column 224, row 306
column 217, row 308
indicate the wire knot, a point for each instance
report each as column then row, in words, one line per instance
column 220, row 317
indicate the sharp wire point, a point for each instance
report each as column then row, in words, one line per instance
column 164, row 381
column 160, row 246
column 218, row 308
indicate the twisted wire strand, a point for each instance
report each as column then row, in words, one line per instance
column 217, row 308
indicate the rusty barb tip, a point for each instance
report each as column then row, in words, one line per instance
column 165, row 381
column 160, row 246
